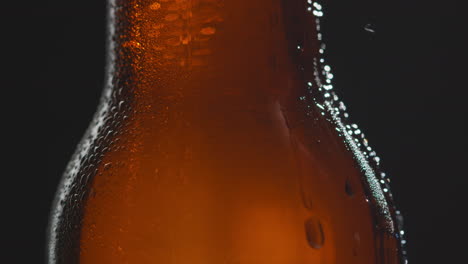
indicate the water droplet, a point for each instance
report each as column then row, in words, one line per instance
column 185, row 39
column 369, row 28
column 348, row 189
column 318, row 13
column 155, row 6
column 317, row 6
column 107, row 166
column 306, row 201
column 208, row 31
column 131, row 44
column 314, row 233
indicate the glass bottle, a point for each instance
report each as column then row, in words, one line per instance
column 219, row 139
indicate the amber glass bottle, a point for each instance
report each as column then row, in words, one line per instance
column 219, row 139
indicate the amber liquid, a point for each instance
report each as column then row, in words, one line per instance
column 202, row 151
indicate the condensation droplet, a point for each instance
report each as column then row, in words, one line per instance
column 306, row 201
column 314, row 233
column 348, row 189
column 369, row 28
column 155, row 6
column 131, row 44
column 185, row 39
column 208, row 31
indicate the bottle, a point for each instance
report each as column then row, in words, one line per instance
column 219, row 139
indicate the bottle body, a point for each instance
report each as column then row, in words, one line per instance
column 214, row 143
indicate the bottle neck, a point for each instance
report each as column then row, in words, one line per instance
column 208, row 48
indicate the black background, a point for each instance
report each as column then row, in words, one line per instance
column 402, row 84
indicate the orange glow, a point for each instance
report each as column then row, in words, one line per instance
column 215, row 159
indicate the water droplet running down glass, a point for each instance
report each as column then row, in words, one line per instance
column 314, row 233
